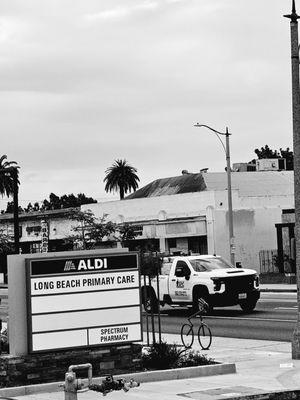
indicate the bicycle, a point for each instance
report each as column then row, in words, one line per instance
column 204, row 332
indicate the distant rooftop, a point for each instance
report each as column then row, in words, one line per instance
column 186, row 183
column 267, row 183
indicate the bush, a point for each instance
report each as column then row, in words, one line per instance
column 4, row 342
column 193, row 358
column 166, row 356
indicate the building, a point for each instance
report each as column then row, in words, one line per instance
column 182, row 214
column 189, row 213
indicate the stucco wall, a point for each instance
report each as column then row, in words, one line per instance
column 254, row 218
column 175, row 206
column 254, row 230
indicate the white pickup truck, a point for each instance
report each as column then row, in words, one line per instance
column 184, row 280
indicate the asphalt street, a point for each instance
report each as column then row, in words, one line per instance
column 273, row 319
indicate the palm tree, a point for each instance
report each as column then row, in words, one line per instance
column 121, row 177
column 6, row 179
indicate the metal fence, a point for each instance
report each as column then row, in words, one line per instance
column 268, row 261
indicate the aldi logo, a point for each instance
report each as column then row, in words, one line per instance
column 84, row 264
column 69, row 266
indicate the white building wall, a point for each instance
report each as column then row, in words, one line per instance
column 254, row 219
column 145, row 209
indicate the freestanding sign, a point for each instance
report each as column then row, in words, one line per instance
column 83, row 301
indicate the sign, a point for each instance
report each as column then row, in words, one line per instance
column 83, row 301
column 45, row 236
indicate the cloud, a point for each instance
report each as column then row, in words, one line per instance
column 121, row 12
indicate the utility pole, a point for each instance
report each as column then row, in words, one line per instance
column 296, row 144
column 229, row 194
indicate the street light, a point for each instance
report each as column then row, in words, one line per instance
column 229, row 192
column 296, row 144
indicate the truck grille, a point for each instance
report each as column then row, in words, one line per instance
column 239, row 284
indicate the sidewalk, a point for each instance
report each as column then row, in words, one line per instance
column 278, row 287
column 262, row 366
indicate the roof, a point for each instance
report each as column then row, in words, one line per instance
column 185, row 183
column 39, row 214
column 262, row 183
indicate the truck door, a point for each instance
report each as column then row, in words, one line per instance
column 180, row 283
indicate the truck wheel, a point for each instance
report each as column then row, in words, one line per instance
column 248, row 306
column 151, row 303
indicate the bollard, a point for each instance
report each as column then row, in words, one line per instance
column 73, row 385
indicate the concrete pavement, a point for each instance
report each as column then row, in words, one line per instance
column 261, row 366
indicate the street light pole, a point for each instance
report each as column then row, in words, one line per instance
column 226, row 148
column 296, row 144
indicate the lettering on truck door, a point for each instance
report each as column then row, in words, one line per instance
column 180, row 283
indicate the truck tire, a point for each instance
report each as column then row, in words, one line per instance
column 150, row 303
column 248, row 306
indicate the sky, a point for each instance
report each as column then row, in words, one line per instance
column 86, row 82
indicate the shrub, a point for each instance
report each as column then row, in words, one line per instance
column 4, row 342
column 165, row 356
column 193, row 358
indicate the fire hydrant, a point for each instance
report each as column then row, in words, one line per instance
column 73, row 385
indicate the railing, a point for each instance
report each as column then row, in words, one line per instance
column 268, row 261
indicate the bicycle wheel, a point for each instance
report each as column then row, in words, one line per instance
column 187, row 335
column 204, row 336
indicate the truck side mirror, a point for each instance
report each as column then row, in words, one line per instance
column 238, row 264
column 187, row 275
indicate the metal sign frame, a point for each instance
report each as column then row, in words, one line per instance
column 54, row 284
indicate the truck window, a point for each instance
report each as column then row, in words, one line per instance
column 182, row 269
column 209, row 264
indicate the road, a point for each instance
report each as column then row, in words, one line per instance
column 273, row 319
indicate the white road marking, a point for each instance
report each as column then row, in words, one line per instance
column 294, row 308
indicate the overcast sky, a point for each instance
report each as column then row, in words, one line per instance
column 84, row 82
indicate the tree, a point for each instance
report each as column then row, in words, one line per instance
column 89, row 230
column 121, row 177
column 267, row 152
column 125, row 232
column 10, row 208
column 289, row 157
column 66, row 201
column 6, row 243
column 6, row 179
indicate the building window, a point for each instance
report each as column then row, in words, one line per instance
column 33, row 229
column 35, row 247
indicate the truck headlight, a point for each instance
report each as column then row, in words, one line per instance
column 217, row 284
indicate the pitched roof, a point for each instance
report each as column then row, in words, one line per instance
column 185, row 183
column 262, row 183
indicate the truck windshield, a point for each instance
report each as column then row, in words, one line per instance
column 209, row 264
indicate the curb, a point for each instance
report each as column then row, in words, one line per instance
column 279, row 290
column 141, row 377
column 278, row 395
